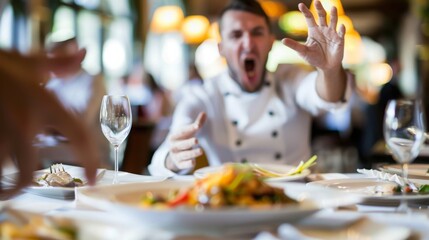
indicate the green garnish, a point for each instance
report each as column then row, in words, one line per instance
column 424, row 188
column 77, row 180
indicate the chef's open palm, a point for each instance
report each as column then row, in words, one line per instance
column 184, row 147
column 324, row 48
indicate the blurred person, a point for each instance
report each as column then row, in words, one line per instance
column 159, row 105
column 26, row 108
column 194, row 79
column 194, row 75
column 133, row 86
column 247, row 114
column 79, row 92
column 158, row 110
column 374, row 114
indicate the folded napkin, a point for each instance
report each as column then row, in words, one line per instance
column 382, row 175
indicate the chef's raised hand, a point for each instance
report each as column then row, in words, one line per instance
column 324, row 47
column 184, row 146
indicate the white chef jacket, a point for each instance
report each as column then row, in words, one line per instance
column 268, row 126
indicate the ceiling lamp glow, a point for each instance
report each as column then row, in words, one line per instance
column 167, row 19
column 273, row 9
column 195, row 28
column 327, row 4
column 293, row 22
column 380, row 74
column 353, row 48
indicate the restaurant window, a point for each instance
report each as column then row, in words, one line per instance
column 165, row 58
column 117, row 49
column 88, row 4
column 165, row 55
column 6, row 31
column 64, row 24
column 119, row 8
column 89, row 36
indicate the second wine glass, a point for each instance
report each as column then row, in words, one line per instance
column 404, row 127
column 115, row 119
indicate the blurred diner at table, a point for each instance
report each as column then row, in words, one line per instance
column 81, row 93
column 26, row 110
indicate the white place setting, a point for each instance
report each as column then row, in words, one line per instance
column 326, row 209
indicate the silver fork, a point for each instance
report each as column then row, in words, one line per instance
column 56, row 168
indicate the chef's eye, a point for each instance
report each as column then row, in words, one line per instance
column 236, row 34
column 258, row 32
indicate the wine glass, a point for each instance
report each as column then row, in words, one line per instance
column 115, row 119
column 404, row 128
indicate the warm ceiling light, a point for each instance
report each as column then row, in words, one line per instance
column 273, row 9
column 327, row 4
column 195, row 28
column 293, row 22
column 353, row 48
column 380, row 74
column 167, row 19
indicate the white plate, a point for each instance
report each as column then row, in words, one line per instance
column 372, row 189
column 279, row 168
column 104, row 177
column 414, row 170
column 125, row 200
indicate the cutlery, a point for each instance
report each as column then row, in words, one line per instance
column 301, row 167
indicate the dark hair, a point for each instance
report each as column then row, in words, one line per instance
column 153, row 85
column 251, row 6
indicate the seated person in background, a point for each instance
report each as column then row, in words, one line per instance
column 80, row 93
column 26, row 109
column 247, row 114
column 159, row 105
column 194, row 79
column 159, row 110
column 374, row 114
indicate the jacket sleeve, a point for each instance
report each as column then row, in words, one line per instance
column 185, row 113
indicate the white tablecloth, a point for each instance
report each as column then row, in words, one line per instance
column 102, row 225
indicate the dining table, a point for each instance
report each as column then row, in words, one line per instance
column 332, row 223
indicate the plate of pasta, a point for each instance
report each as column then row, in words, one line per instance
column 221, row 201
column 276, row 168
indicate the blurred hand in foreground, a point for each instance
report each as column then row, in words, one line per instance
column 184, row 146
column 26, row 108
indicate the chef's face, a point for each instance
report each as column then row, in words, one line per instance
column 246, row 42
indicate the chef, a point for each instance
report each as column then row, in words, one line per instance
column 247, row 114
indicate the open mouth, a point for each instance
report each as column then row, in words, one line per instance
column 249, row 66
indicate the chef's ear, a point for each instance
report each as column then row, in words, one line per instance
column 220, row 48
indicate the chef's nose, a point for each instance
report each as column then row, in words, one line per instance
column 247, row 42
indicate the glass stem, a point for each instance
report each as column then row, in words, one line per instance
column 403, row 206
column 115, row 176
